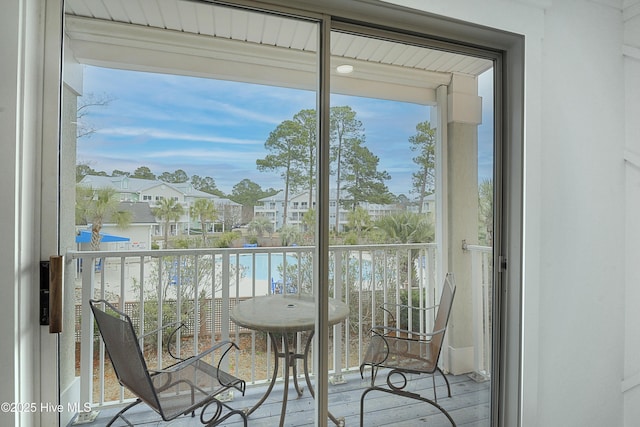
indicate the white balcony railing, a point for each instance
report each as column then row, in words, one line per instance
column 199, row 287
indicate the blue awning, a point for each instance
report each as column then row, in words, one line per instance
column 85, row 237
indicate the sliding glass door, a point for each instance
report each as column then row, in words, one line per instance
column 221, row 153
column 412, row 147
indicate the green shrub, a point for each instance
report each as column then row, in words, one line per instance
column 225, row 240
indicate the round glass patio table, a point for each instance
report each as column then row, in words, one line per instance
column 279, row 316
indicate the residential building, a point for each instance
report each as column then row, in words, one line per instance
column 272, row 207
column 152, row 191
column 138, row 233
column 571, row 169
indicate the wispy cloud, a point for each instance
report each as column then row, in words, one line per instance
column 177, row 136
column 247, row 114
column 247, row 157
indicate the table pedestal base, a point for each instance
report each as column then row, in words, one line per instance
column 290, row 357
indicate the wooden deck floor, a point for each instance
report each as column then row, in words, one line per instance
column 468, row 406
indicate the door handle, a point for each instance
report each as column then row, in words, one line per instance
column 56, row 270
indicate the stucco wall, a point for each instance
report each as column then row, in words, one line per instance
column 582, row 217
column 631, row 49
column 574, row 203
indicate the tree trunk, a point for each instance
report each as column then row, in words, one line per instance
column 95, row 235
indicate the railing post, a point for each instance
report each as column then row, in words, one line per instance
column 337, row 377
column 431, row 282
column 225, row 311
column 225, row 317
column 486, row 280
column 159, row 318
column 479, row 373
column 86, row 340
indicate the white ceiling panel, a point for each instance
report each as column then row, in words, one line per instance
column 152, row 16
column 254, row 31
column 301, row 35
column 188, row 16
column 134, row 12
column 222, row 23
column 171, row 14
column 282, row 35
column 116, row 10
column 97, row 8
column 205, row 19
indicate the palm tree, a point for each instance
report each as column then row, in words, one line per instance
column 95, row 206
column 168, row 210
column 407, row 227
column 359, row 220
column 260, row 225
column 204, row 211
column 289, row 235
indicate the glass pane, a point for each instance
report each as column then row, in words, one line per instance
column 194, row 136
column 412, row 167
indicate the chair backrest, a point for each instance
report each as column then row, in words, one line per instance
column 123, row 348
column 442, row 316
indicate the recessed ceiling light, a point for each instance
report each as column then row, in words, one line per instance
column 344, row 69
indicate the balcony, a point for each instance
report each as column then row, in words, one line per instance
column 200, row 286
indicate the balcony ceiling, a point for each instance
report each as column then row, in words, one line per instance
column 214, row 41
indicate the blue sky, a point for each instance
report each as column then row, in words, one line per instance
column 218, row 128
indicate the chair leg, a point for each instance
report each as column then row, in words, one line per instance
column 364, row 393
column 122, row 411
column 433, row 382
column 403, row 394
column 445, row 380
column 216, row 418
column 229, row 414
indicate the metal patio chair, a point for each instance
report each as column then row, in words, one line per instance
column 188, row 385
column 404, row 352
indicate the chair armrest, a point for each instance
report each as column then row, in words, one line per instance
column 169, row 339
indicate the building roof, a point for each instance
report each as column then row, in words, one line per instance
column 141, row 212
column 187, row 189
column 123, row 184
column 126, row 184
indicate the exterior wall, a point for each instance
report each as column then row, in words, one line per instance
column 298, row 206
column 229, row 213
column 631, row 50
column 574, row 221
column 165, row 192
column 273, row 208
column 581, row 283
column 161, row 191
